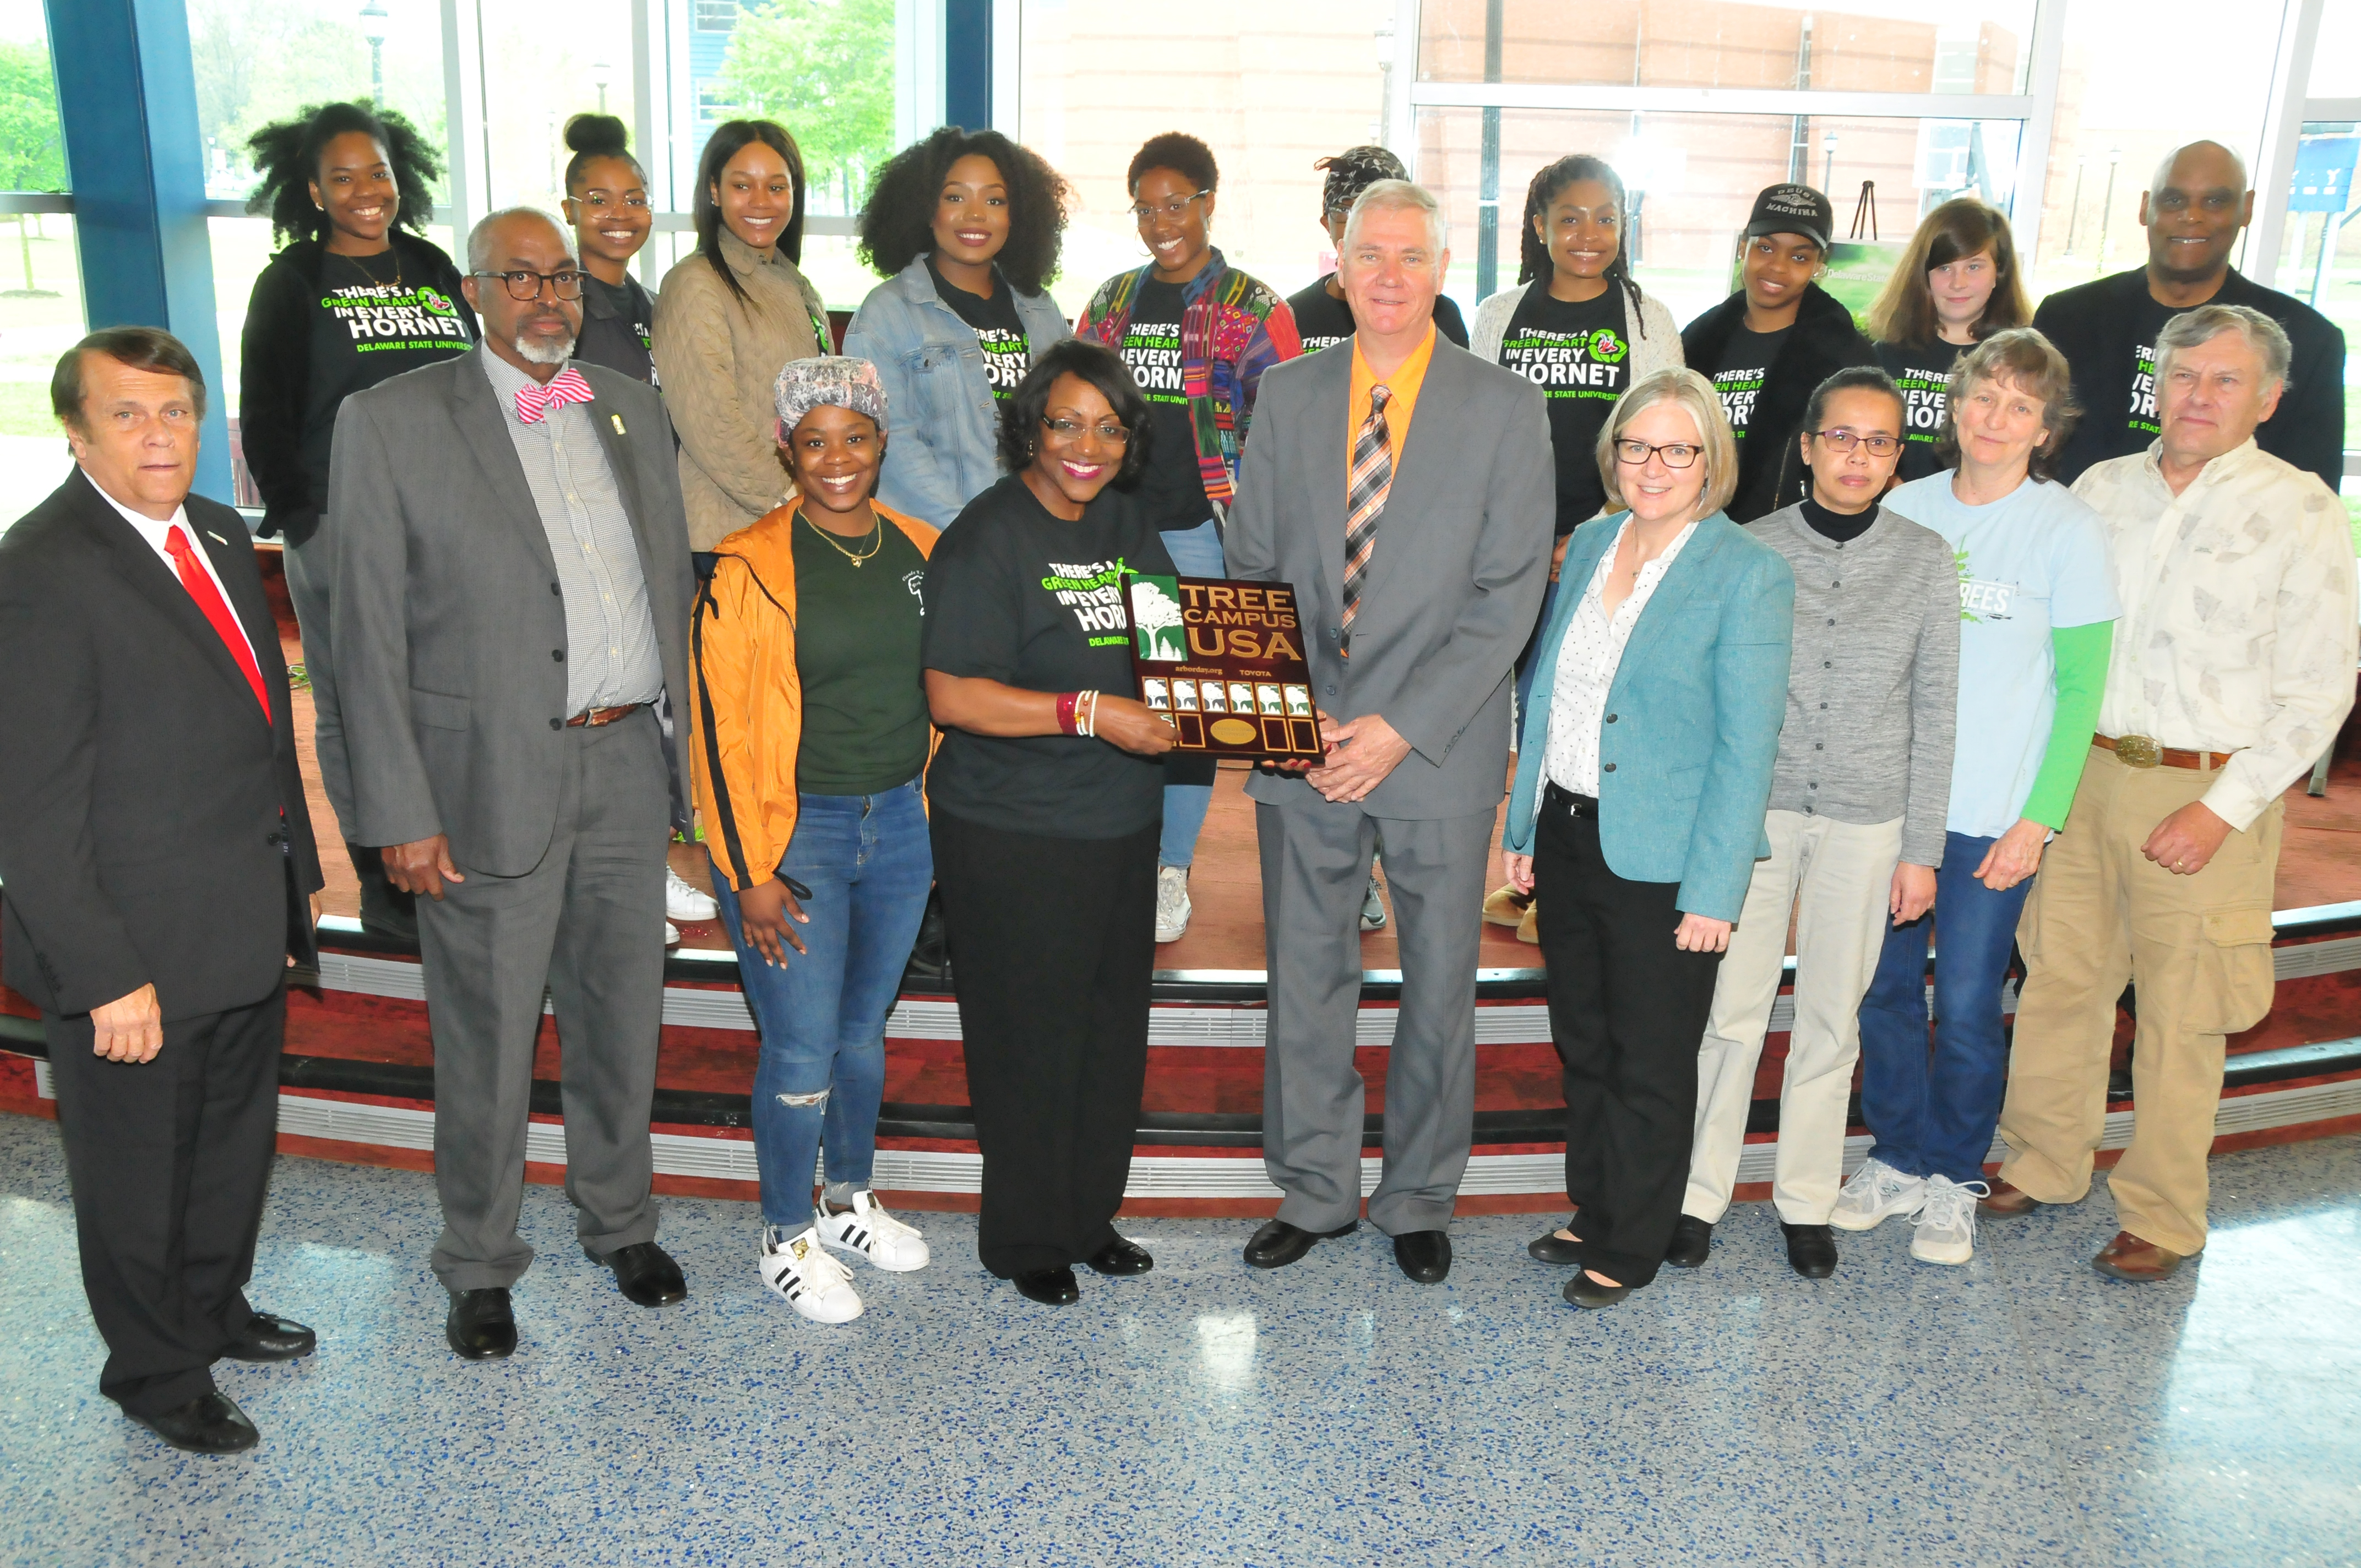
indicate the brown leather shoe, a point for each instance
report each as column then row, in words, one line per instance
column 2129, row 1257
column 2008, row 1201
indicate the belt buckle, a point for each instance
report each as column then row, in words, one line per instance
column 2138, row 751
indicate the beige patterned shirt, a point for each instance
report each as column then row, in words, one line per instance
column 2238, row 629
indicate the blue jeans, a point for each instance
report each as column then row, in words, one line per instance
column 1933, row 1113
column 821, row 1074
column 1196, row 553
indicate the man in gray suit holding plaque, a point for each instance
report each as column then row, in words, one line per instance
column 511, row 598
column 1407, row 489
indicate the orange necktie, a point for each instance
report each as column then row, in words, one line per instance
column 200, row 583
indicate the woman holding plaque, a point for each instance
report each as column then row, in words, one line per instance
column 1048, row 797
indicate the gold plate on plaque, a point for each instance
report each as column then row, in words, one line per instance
column 2138, row 751
column 1234, row 733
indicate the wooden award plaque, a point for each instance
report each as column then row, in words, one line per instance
column 1226, row 660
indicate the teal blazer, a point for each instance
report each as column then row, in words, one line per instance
column 1685, row 768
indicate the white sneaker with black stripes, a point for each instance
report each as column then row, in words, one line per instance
column 866, row 1228
column 800, row 1272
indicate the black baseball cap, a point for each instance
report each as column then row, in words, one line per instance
column 1792, row 209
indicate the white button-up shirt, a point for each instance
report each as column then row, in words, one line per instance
column 2238, row 630
column 1586, row 662
column 154, row 533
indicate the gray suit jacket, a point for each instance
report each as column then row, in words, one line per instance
column 1455, row 586
column 448, row 626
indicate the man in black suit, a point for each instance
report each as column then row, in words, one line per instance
column 160, row 875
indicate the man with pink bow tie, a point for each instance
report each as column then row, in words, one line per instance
column 510, row 600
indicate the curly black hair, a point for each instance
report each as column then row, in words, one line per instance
column 1021, row 416
column 593, row 136
column 287, row 156
column 1178, row 151
column 898, row 227
column 1533, row 254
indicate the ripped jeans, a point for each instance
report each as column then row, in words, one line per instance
column 821, row 1073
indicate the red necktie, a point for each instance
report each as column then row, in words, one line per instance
column 534, row 400
column 200, row 583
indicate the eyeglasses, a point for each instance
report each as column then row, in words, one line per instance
column 1846, row 440
column 1676, row 454
column 1071, row 430
column 526, row 285
column 1175, row 209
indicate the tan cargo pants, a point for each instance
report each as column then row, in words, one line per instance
column 2199, row 950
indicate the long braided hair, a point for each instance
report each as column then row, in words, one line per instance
column 1533, row 254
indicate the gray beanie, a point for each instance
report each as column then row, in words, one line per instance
column 828, row 380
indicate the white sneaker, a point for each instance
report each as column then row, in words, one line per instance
column 683, row 901
column 800, row 1272
column 1876, row 1193
column 672, row 935
column 1944, row 1229
column 1373, row 909
column 1171, row 903
column 866, row 1228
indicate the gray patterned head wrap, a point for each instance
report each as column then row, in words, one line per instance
column 828, row 380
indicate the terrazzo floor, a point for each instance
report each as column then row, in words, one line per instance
column 2018, row 1411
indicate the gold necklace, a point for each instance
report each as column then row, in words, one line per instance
column 878, row 531
column 360, row 265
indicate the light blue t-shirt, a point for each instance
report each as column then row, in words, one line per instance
column 2031, row 561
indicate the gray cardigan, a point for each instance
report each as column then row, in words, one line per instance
column 1873, row 687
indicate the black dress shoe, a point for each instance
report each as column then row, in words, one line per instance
column 1692, row 1241
column 482, row 1324
column 1279, row 1243
column 1425, row 1255
column 209, row 1423
column 1552, row 1248
column 1050, row 1287
column 1587, row 1293
column 1811, row 1250
column 646, row 1273
column 266, row 1338
column 1120, row 1256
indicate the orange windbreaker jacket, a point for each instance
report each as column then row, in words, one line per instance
column 746, row 710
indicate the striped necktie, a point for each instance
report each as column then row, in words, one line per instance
column 1364, row 497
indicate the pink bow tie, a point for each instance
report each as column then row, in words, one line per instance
column 534, row 399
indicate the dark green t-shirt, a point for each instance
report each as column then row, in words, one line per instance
column 857, row 655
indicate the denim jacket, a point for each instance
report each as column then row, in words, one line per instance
column 943, row 427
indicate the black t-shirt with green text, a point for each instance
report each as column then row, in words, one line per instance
column 1021, row 597
column 1745, row 363
column 1173, row 489
column 2148, row 320
column 1923, row 372
column 1007, row 353
column 371, row 323
column 1580, row 357
column 857, row 634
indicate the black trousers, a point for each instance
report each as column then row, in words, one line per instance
column 169, row 1160
column 1628, row 1011
column 1053, row 947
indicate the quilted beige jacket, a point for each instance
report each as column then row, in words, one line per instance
column 717, row 356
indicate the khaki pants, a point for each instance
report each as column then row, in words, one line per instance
column 2199, row 950
column 1845, row 875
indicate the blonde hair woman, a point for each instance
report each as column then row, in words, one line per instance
column 1637, row 817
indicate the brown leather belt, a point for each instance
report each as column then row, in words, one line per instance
column 597, row 716
column 2139, row 752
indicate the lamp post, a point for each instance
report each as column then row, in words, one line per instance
column 600, row 74
column 374, row 18
column 1828, row 164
